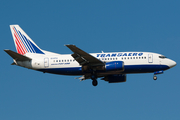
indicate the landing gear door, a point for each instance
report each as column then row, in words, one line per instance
column 150, row 58
column 46, row 62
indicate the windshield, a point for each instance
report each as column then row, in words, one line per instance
column 162, row 56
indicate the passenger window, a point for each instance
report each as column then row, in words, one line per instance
column 59, row 60
column 56, row 60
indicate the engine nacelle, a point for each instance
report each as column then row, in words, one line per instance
column 115, row 78
column 115, row 65
column 110, row 66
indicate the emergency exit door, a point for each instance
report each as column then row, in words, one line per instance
column 150, row 58
column 46, row 62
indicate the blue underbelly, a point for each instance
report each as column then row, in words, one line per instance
column 144, row 68
column 127, row 69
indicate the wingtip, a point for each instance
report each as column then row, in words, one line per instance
column 6, row 50
column 69, row 45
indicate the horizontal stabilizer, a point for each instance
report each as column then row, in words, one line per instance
column 17, row 56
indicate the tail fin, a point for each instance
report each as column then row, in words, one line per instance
column 24, row 44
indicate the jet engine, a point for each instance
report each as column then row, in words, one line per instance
column 115, row 65
column 109, row 66
column 115, row 78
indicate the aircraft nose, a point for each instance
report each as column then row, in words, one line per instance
column 172, row 64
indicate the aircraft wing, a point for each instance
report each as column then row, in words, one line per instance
column 84, row 58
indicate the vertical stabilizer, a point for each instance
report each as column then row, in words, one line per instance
column 23, row 43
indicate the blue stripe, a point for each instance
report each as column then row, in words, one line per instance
column 30, row 46
column 37, row 50
column 127, row 69
column 20, row 38
column 144, row 68
column 24, row 41
column 63, row 71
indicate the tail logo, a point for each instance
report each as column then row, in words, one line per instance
column 23, row 45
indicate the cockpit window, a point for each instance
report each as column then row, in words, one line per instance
column 162, row 56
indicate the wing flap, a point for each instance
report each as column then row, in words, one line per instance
column 84, row 58
column 79, row 59
column 17, row 56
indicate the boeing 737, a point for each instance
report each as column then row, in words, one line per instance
column 111, row 67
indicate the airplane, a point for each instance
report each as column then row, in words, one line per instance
column 111, row 66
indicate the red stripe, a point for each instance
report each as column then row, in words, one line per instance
column 21, row 43
column 18, row 46
column 24, row 49
column 18, row 50
column 18, row 43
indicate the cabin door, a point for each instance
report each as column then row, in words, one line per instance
column 46, row 62
column 150, row 58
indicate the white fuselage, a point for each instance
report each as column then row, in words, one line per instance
column 134, row 62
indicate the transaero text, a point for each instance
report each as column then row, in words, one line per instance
column 118, row 54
